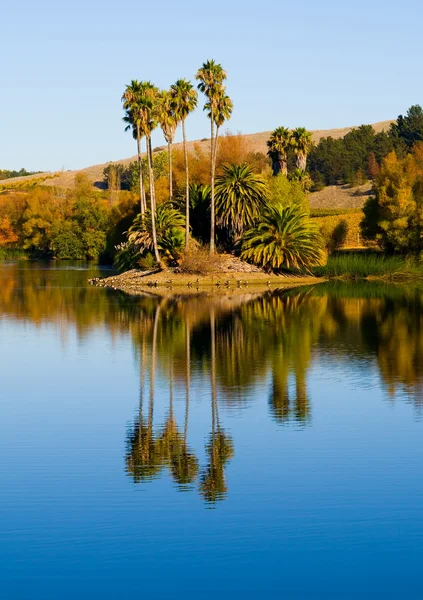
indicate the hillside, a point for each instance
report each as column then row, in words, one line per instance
column 256, row 141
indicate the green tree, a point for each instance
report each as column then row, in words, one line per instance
column 170, row 225
column 185, row 100
column 278, row 145
column 240, row 196
column 285, row 238
column 168, row 123
column 211, row 77
column 285, row 191
column 409, row 128
column 134, row 117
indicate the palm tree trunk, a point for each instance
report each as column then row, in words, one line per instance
column 212, row 210
column 187, row 377
column 152, row 204
column 152, row 186
column 186, row 185
column 301, row 161
column 169, row 152
column 213, row 370
column 142, row 192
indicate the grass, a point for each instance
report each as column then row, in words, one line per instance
column 333, row 212
column 13, row 254
column 350, row 265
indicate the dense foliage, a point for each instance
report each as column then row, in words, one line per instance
column 357, row 156
column 6, row 174
column 394, row 215
column 76, row 224
column 284, row 238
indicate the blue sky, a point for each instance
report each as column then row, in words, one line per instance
column 317, row 64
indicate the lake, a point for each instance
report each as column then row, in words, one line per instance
column 245, row 446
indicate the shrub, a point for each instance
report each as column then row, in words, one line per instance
column 199, row 261
column 286, row 238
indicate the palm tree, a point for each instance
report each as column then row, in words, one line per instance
column 302, row 178
column 168, row 123
column 302, row 142
column 185, row 100
column 133, row 117
column 240, row 194
column 169, row 227
column 149, row 108
column 211, row 76
column 286, row 238
column 278, row 145
column 223, row 107
column 220, row 447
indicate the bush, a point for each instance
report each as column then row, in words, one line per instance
column 199, row 261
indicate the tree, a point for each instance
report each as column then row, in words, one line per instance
column 169, row 227
column 148, row 107
column 286, row 191
column 301, row 177
column 185, row 101
column 133, row 104
column 211, row 76
column 372, row 167
column 394, row 215
column 285, row 238
column 240, row 195
column 301, row 141
column 168, row 123
column 278, row 145
column 409, row 129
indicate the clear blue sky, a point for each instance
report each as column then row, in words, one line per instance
column 317, row 64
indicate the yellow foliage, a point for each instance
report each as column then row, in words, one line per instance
column 328, row 224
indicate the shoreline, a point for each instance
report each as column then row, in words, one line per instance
column 158, row 283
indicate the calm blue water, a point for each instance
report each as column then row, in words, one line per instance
column 241, row 447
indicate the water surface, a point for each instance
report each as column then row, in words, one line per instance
column 247, row 446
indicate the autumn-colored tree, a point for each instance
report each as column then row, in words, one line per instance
column 233, row 149
column 373, row 169
column 394, row 215
column 7, row 234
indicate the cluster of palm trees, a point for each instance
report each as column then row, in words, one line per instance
column 282, row 141
column 146, row 107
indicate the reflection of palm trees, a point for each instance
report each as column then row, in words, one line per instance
column 175, row 452
column 143, row 455
column 220, row 448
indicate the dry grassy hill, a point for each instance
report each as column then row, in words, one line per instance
column 256, row 141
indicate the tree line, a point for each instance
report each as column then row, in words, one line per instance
column 357, row 157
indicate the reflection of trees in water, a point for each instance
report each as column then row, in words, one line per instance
column 233, row 343
column 219, row 448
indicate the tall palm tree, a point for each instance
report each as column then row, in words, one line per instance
column 222, row 109
column 133, row 117
column 211, row 76
column 185, row 101
column 302, row 143
column 278, row 145
column 240, row 194
column 168, row 123
column 150, row 122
